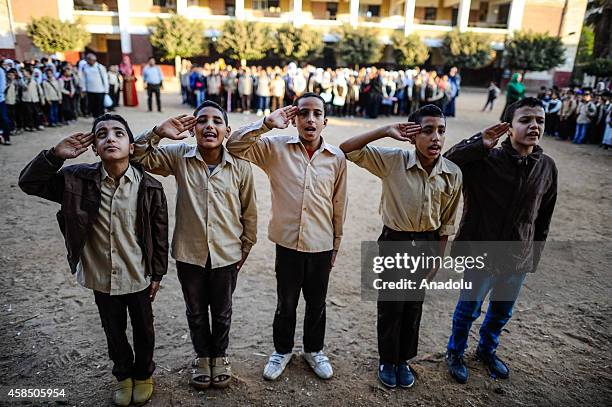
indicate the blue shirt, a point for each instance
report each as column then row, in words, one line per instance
column 2, row 84
column 152, row 75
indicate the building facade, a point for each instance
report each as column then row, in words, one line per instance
column 121, row 26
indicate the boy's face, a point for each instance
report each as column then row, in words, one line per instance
column 210, row 128
column 527, row 125
column 430, row 140
column 49, row 74
column 11, row 76
column 111, row 141
column 310, row 119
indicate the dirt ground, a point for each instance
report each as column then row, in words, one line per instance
column 557, row 344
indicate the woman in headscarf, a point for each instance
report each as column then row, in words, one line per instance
column 130, row 98
column 514, row 91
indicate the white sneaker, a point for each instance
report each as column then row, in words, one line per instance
column 259, row 112
column 319, row 363
column 266, row 112
column 276, row 365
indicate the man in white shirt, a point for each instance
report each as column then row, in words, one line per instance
column 94, row 82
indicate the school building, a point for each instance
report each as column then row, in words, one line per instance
column 121, row 26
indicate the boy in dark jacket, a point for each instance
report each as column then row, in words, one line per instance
column 114, row 219
column 509, row 196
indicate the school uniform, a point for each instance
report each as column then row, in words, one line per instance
column 415, row 206
column 53, row 97
column 116, row 238
column 308, row 208
column 216, row 221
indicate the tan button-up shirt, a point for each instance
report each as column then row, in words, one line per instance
column 216, row 213
column 112, row 261
column 308, row 194
column 412, row 200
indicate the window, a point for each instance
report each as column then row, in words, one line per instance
column 230, row 7
column 431, row 13
column 164, row 3
column 503, row 13
column 332, row 11
column 369, row 11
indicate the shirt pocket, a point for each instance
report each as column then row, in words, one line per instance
column 324, row 184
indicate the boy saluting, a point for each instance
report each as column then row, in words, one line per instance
column 420, row 193
column 216, row 226
column 114, row 219
column 308, row 185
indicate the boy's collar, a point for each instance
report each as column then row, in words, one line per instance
column 323, row 146
column 439, row 166
column 194, row 152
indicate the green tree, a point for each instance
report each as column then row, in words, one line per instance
column 244, row 40
column 409, row 50
column 599, row 67
column 466, row 50
column 178, row 38
column 600, row 18
column 359, row 46
column 585, row 46
column 530, row 51
column 297, row 44
column 52, row 35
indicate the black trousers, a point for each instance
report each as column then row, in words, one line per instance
column 398, row 322
column 137, row 364
column 204, row 288
column 153, row 89
column 309, row 273
column 95, row 102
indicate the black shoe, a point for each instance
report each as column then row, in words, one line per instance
column 456, row 366
column 497, row 367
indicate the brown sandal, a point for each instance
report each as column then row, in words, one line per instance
column 221, row 372
column 200, row 373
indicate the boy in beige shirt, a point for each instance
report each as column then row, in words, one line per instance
column 308, row 185
column 420, row 194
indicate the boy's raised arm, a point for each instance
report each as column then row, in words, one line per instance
column 42, row 176
column 246, row 142
column 156, row 159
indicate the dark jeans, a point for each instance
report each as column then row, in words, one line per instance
column 581, row 131
column 490, row 103
column 398, row 322
column 139, row 364
column 307, row 273
column 204, row 287
column 153, row 89
column 498, row 313
column 95, row 102
column 53, row 117
column 5, row 122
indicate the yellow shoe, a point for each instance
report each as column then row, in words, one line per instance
column 122, row 395
column 143, row 390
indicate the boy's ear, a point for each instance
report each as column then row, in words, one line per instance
column 293, row 122
column 93, row 148
column 325, row 122
column 131, row 149
column 412, row 139
column 228, row 132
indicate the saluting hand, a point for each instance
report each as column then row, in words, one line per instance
column 175, row 127
column 403, row 131
column 491, row 135
column 281, row 118
column 73, row 146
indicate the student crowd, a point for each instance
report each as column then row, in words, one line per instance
column 368, row 92
column 48, row 93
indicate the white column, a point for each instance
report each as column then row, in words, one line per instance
column 181, row 7
column 409, row 14
column 463, row 17
column 354, row 16
column 124, row 25
column 65, row 9
column 297, row 13
column 515, row 17
column 240, row 9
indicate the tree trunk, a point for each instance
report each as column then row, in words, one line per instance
column 177, row 66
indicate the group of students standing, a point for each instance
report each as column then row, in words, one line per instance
column 580, row 115
column 51, row 93
column 369, row 92
column 114, row 219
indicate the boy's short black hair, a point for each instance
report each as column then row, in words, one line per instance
column 109, row 116
column 426, row 111
column 310, row 95
column 526, row 102
column 210, row 103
